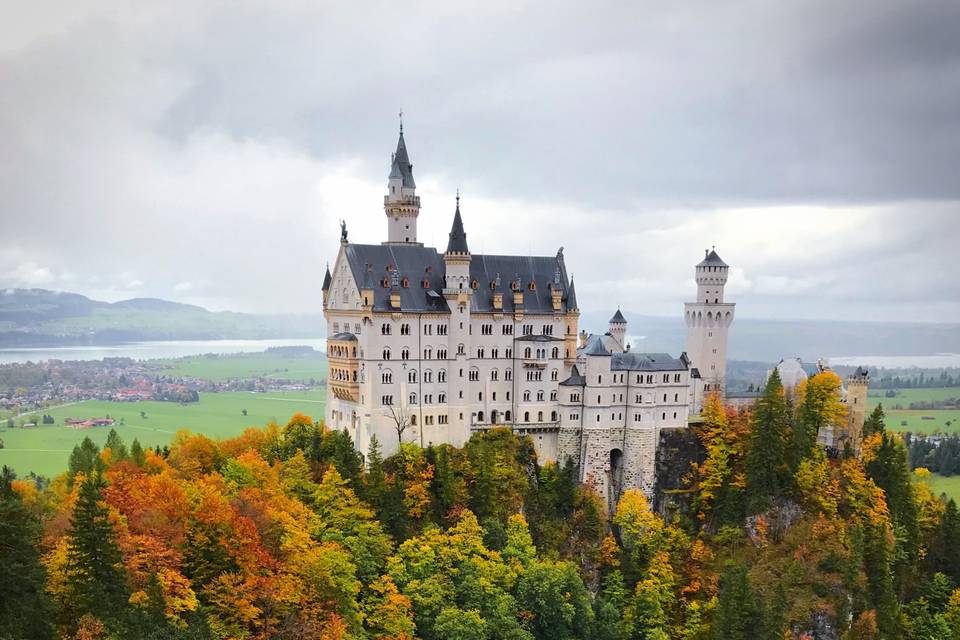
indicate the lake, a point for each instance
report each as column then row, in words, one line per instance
column 936, row 361
column 154, row 349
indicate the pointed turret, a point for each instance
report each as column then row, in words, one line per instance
column 326, row 279
column 401, row 167
column 572, row 297
column 401, row 204
column 458, row 237
column 326, row 286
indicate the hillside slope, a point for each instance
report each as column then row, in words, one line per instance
column 39, row 317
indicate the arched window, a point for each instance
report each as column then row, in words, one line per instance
column 479, row 416
column 526, row 352
column 413, row 421
column 386, row 354
column 539, row 416
column 526, row 416
column 556, row 352
column 507, row 416
column 553, row 416
column 413, row 398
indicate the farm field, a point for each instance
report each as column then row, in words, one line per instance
column 949, row 485
column 914, row 417
column 45, row 449
column 249, row 365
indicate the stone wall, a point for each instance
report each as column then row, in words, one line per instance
column 676, row 450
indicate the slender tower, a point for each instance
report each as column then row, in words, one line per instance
column 457, row 291
column 401, row 204
column 856, row 399
column 708, row 322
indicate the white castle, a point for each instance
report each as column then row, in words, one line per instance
column 429, row 347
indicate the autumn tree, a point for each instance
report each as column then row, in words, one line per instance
column 719, row 480
column 819, row 406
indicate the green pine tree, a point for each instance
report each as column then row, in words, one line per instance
column 96, row 578
column 24, row 605
column 767, row 471
column 137, row 454
column 738, row 615
column 874, row 422
column 118, row 449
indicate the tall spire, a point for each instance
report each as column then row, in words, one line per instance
column 326, row 279
column 571, row 296
column 401, row 166
column 458, row 237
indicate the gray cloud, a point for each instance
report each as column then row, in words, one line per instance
column 206, row 150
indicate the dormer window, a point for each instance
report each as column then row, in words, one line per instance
column 515, row 286
column 405, row 283
column 532, row 286
column 426, row 283
column 473, row 284
column 385, row 282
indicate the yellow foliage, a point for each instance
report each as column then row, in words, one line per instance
column 922, row 472
column 819, row 490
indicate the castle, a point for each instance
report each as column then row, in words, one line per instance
column 427, row 346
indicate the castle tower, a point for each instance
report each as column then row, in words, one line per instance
column 618, row 331
column 708, row 322
column 401, row 204
column 458, row 292
column 856, row 399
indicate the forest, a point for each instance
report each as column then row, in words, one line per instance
column 289, row 532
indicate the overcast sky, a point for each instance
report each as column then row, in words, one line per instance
column 205, row 151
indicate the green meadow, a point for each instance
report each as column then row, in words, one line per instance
column 248, row 365
column 949, row 485
column 45, row 449
column 918, row 420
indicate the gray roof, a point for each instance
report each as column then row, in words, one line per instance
column 418, row 263
column 632, row 361
column 809, row 368
column 343, row 335
column 401, row 167
column 458, row 237
column 594, row 346
column 618, row 318
column 326, row 279
column 711, row 259
column 575, row 379
column 538, row 337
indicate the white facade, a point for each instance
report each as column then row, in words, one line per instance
column 447, row 343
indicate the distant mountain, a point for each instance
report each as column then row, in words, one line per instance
column 43, row 318
column 770, row 340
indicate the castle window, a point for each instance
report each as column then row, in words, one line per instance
column 539, row 416
column 479, row 416
column 676, row 398
column 554, row 374
column 425, row 283
column 442, row 375
column 405, row 354
column 526, row 416
column 664, row 415
column 412, row 375
column 508, row 374
column 386, row 354
column 428, row 376
column 442, row 419
column 599, row 379
column 532, row 286
column 539, row 396
column 387, row 377
column 473, row 283
column 413, row 398
column 385, row 282
column 555, row 353
column 506, row 416
column 526, row 396
column 405, row 282
column 674, row 415
column 442, row 398
column 553, row 395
